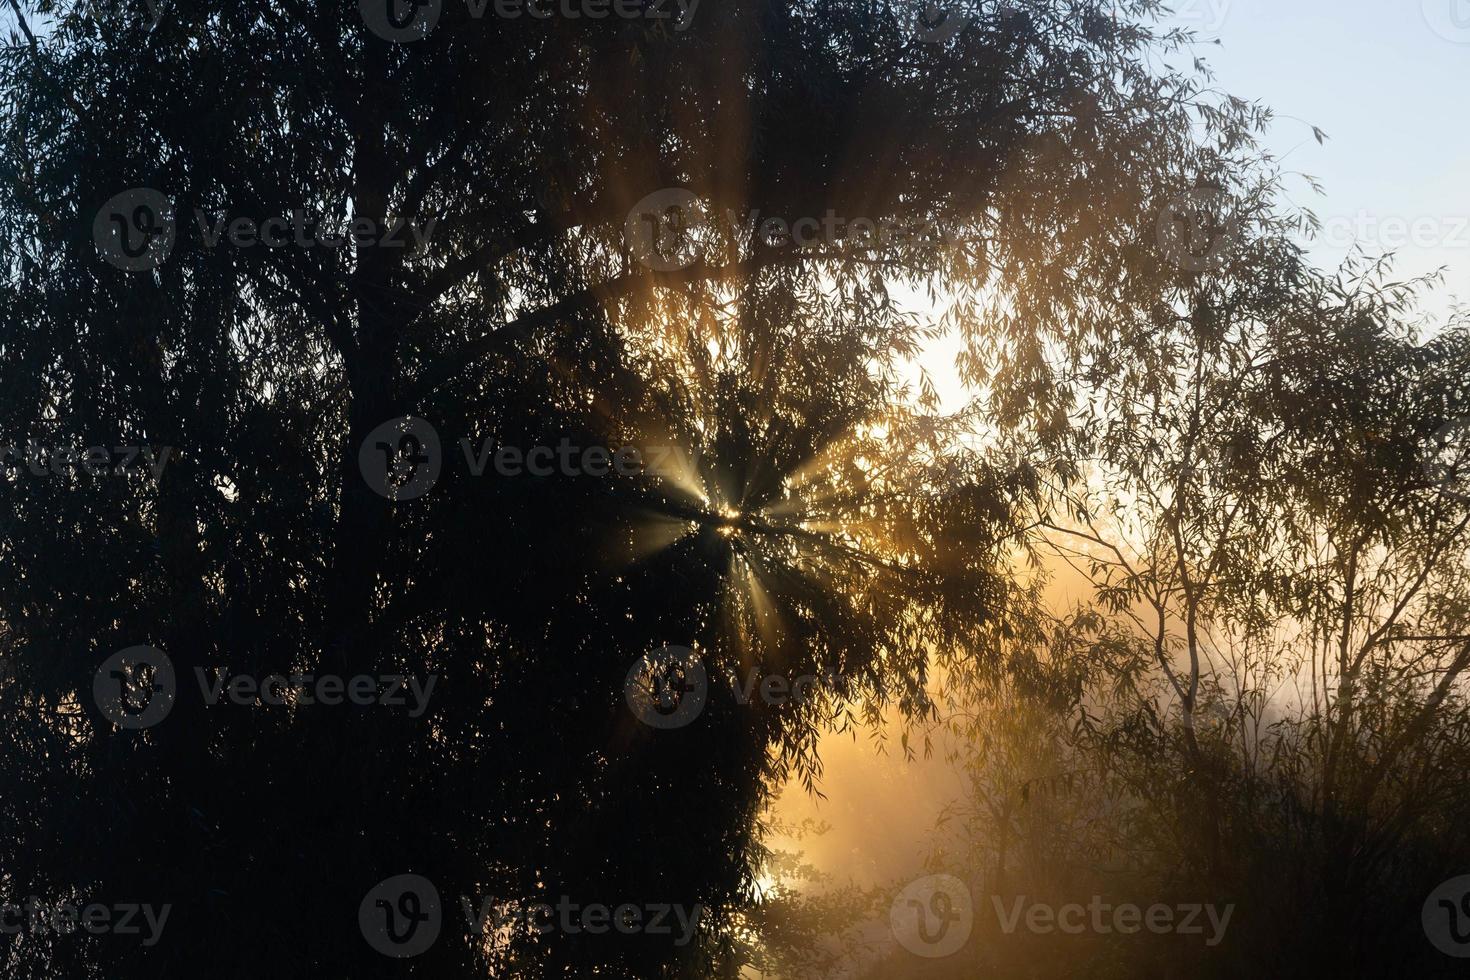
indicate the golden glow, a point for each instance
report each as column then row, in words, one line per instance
column 730, row 516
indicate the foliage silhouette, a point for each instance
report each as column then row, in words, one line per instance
column 826, row 523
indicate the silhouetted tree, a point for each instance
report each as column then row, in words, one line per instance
column 821, row 522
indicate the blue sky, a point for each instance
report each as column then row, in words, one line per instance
column 1388, row 80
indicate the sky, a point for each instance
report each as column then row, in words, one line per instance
column 1387, row 80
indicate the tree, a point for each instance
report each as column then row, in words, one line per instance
column 822, row 523
column 1268, row 514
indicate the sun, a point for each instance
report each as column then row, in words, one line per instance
column 729, row 521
